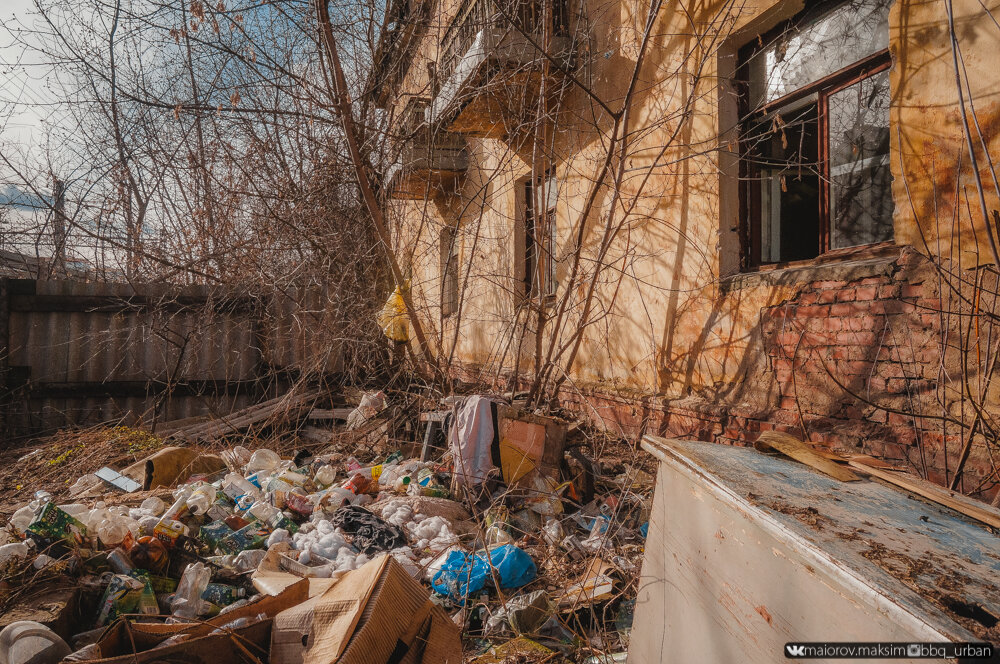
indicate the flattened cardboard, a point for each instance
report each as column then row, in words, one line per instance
column 234, row 646
column 116, row 643
column 321, row 626
column 377, row 613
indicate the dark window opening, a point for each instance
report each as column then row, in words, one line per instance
column 449, row 270
column 540, row 197
column 815, row 133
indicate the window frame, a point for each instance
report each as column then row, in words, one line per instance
column 449, row 270
column 751, row 212
column 539, row 249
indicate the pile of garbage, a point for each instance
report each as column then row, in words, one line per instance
column 185, row 549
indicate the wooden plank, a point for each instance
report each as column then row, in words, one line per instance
column 938, row 494
column 323, row 414
column 793, row 447
column 284, row 407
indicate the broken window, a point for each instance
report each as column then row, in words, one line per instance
column 449, row 270
column 816, row 133
column 540, row 195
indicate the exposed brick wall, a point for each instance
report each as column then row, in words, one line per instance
column 879, row 337
column 839, row 344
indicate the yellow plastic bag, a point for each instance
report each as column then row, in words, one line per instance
column 393, row 318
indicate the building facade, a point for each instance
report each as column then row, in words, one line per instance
column 708, row 219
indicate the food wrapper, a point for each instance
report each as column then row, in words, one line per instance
column 122, row 595
column 215, row 532
column 53, row 524
column 222, row 594
column 253, row 536
column 147, row 598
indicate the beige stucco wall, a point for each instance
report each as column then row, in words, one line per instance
column 662, row 324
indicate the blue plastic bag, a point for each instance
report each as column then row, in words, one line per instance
column 464, row 574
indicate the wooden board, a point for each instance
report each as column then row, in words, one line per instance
column 956, row 501
column 793, row 447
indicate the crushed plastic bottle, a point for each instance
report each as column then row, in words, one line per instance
column 116, row 531
column 21, row 519
column 238, row 457
column 153, row 506
column 9, row 552
column 263, row 460
column 187, row 602
column 235, row 485
column 325, row 476
column 552, row 532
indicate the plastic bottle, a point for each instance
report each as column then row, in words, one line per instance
column 497, row 535
column 9, row 552
column 180, row 507
column 552, row 532
column 84, row 483
column 293, row 478
column 325, row 476
column 201, row 499
column 41, row 497
column 235, row 485
column 222, row 594
column 265, row 513
column 357, row 484
column 42, row 560
column 115, row 531
column 27, row 641
column 277, row 484
column 238, row 457
column 21, row 519
column 263, row 460
column 76, row 510
column 153, row 505
column 187, row 602
column 119, row 561
column 248, row 560
column 336, row 497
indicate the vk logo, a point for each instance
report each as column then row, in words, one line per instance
column 794, row 651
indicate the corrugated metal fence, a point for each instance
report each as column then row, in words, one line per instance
column 76, row 353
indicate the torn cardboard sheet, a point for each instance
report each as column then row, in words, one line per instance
column 376, row 613
column 136, row 642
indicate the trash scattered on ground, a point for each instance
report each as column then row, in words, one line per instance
column 245, row 538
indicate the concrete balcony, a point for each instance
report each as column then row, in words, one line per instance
column 491, row 70
column 428, row 167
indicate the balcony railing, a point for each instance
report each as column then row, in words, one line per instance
column 506, row 32
column 429, row 161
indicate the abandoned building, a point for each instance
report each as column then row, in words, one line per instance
column 760, row 200
column 553, row 331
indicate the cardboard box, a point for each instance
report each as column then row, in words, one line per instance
column 125, row 641
column 377, row 613
column 529, row 445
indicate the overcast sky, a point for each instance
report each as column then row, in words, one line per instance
column 20, row 82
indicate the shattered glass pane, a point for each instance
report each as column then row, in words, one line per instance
column 860, row 180
column 806, row 53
